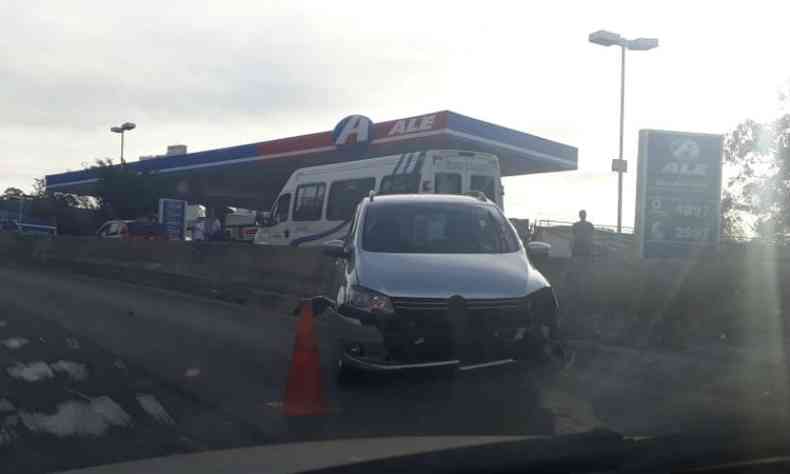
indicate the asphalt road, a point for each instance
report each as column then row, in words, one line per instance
column 212, row 375
column 209, row 362
column 67, row 402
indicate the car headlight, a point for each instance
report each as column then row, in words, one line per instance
column 370, row 301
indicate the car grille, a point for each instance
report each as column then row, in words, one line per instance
column 441, row 304
column 486, row 324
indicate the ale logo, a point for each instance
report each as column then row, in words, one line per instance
column 353, row 131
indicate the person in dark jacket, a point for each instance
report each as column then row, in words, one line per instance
column 582, row 245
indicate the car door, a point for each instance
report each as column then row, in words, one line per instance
column 110, row 230
column 307, row 216
column 278, row 232
column 113, row 230
column 344, row 267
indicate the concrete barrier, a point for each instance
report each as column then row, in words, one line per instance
column 220, row 265
column 738, row 296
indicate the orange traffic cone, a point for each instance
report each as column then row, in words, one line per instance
column 304, row 394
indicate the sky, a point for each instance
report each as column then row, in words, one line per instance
column 219, row 74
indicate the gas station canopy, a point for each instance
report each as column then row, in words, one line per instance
column 252, row 175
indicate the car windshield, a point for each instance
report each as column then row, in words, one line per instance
column 432, row 228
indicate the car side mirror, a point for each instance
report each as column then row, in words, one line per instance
column 537, row 249
column 336, row 249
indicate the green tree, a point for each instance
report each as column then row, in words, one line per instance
column 12, row 193
column 125, row 194
column 39, row 187
column 75, row 215
column 759, row 155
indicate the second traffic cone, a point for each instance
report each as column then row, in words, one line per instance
column 304, row 393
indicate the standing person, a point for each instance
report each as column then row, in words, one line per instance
column 198, row 229
column 582, row 245
column 215, row 230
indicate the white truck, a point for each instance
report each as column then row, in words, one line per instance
column 241, row 226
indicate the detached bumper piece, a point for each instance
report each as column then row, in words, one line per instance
column 373, row 365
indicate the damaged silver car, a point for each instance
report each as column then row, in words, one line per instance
column 435, row 281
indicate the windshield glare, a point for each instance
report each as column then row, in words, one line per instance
column 450, row 229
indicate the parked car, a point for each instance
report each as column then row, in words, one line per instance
column 435, row 281
column 132, row 230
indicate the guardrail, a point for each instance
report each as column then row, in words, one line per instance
column 603, row 228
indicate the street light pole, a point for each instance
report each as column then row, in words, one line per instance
column 607, row 38
column 620, row 154
column 122, row 129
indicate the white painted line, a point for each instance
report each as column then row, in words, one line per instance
column 72, row 418
column 487, row 364
column 192, row 372
column 74, row 370
column 32, row 372
column 14, row 343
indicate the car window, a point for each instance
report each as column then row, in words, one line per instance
column 400, row 184
column 447, row 183
column 280, row 212
column 345, row 195
column 432, row 228
column 486, row 184
column 113, row 228
column 309, row 202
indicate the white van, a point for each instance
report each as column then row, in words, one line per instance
column 317, row 203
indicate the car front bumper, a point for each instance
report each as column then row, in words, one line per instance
column 415, row 341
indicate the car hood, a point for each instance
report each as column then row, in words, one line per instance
column 444, row 275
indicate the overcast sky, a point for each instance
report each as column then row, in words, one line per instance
column 226, row 73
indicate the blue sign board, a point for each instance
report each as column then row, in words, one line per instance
column 173, row 214
column 679, row 193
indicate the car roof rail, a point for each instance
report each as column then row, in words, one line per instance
column 479, row 195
